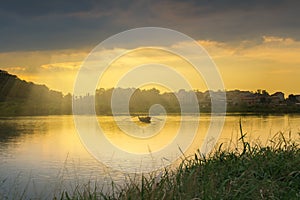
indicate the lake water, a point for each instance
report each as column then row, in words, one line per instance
column 41, row 156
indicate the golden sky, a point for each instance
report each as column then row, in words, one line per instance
column 270, row 63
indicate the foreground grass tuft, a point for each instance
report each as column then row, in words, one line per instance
column 252, row 172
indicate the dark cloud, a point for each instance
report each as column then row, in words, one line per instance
column 40, row 7
column 58, row 24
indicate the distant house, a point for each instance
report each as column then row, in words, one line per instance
column 250, row 98
column 297, row 98
column 277, row 98
column 233, row 97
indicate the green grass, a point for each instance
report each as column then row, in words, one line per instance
column 251, row 172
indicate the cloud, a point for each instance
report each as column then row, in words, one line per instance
column 266, row 46
column 16, row 69
column 64, row 66
column 281, row 40
column 270, row 62
column 33, row 8
column 60, row 24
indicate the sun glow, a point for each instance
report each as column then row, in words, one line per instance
column 271, row 63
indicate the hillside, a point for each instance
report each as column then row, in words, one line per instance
column 19, row 97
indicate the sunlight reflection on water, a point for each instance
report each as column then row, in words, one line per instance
column 44, row 154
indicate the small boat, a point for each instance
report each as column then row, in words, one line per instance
column 146, row 119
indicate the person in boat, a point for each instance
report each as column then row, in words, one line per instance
column 146, row 119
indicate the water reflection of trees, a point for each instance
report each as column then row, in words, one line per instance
column 11, row 128
column 8, row 131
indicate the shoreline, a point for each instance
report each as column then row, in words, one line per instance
column 170, row 114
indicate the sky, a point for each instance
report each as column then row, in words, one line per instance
column 254, row 44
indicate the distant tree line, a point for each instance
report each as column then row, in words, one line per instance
column 236, row 101
column 140, row 100
column 18, row 97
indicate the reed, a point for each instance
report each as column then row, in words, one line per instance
column 250, row 172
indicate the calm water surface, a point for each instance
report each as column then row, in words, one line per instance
column 41, row 156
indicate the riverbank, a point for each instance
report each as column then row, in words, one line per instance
column 249, row 172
